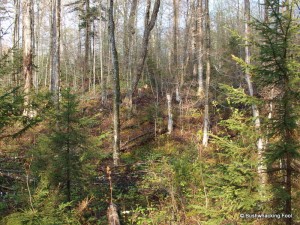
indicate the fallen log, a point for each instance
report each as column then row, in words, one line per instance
column 150, row 134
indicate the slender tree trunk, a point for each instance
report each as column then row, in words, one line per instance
column 175, row 49
column 185, row 49
column 207, row 81
column 94, row 60
column 175, row 34
column 16, row 34
column 170, row 116
column 87, row 46
column 201, row 49
column 116, row 105
column 27, row 52
column 194, row 39
column 68, row 161
column 58, row 37
column 55, row 51
column 260, row 146
column 289, row 131
column 37, row 48
column 16, row 37
column 130, row 33
column 266, row 14
column 101, row 39
column 149, row 24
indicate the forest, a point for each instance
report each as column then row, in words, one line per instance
column 149, row 112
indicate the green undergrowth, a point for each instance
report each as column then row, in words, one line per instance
column 174, row 183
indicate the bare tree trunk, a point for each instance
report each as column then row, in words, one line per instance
column 87, row 46
column 266, row 15
column 175, row 34
column 175, row 49
column 27, row 53
column 94, row 60
column 116, row 106
column 149, row 24
column 101, row 42
column 201, row 49
column 130, row 33
column 16, row 36
column 194, row 38
column 260, row 146
column 207, row 81
column 185, row 48
column 37, row 48
column 79, row 58
column 170, row 116
column 55, row 51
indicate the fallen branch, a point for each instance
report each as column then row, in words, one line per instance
column 137, row 137
column 149, row 133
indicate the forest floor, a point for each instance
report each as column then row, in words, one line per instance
column 146, row 148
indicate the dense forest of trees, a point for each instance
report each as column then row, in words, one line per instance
column 149, row 112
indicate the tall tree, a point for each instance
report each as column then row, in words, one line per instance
column 116, row 104
column 260, row 146
column 201, row 49
column 129, row 36
column 175, row 33
column 16, row 37
column 55, row 49
column 149, row 24
column 207, row 81
column 279, row 68
column 87, row 45
column 194, row 37
column 101, row 42
column 27, row 52
column 16, row 34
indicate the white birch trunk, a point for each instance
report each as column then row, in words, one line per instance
column 170, row 116
column 261, row 169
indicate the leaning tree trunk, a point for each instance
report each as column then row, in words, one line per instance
column 146, row 37
column 27, row 52
column 129, row 34
column 116, row 106
column 129, row 40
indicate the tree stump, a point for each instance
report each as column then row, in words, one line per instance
column 112, row 215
